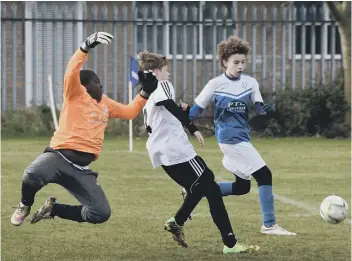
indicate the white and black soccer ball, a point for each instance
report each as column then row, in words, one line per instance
column 333, row 209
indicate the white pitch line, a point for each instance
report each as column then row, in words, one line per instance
column 296, row 203
column 312, row 210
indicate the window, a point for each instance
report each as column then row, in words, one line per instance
column 330, row 40
column 149, row 13
column 313, row 27
column 223, row 13
column 189, row 22
column 184, row 17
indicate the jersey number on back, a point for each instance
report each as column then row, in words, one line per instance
column 147, row 127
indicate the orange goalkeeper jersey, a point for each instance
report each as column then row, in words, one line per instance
column 82, row 119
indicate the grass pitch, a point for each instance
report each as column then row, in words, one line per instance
column 305, row 171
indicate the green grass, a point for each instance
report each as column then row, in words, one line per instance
column 142, row 199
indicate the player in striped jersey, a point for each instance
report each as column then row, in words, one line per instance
column 168, row 146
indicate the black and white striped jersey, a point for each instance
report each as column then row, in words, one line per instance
column 168, row 142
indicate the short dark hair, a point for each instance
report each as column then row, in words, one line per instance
column 86, row 76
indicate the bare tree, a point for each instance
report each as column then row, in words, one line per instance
column 341, row 11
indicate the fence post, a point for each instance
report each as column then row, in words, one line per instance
column 254, row 36
column 293, row 58
column 264, row 11
column 194, row 12
column 332, row 53
column 273, row 55
column 244, row 23
column 114, row 54
column 234, row 17
column 28, row 55
column 283, row 54
column 14, row 58
column 223, row 13
column 215, row 41
column 124, row 54
column 3, row 62
column 44, row 58
column 184, row 11
column 85, row 27
column 95, row 51
column 313, row 51
column 105, row 73
column 323, row 35
column 145, row 31
column 174, row 12
column 54, row 48
column 34, row 57
column 303, row 47
column 154, row 29
column 80, row 9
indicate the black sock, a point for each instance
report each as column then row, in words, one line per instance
column 67, row 212
column 219, row 214
column 28, row 194
column 190, row 202
column 229, row 240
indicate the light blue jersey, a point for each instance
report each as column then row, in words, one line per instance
column 232, row 98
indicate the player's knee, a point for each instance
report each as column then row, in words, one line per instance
column 212, row 190
column 32, row 177
column 241, row 188
column 98, row 215
column 208, row 184
column 40, row 171
column 104, row 215
column 263, row 176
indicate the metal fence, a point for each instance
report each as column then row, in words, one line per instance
column 290, row 47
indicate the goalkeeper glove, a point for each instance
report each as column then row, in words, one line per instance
column 95, row 39
column 149, row 83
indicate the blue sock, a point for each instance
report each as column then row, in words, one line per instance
column 226, row 188
column 266, row 199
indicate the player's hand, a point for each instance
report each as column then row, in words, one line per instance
column 199, row 137
column 268, row 108
column 95, row 39
column 263, row 109
column 149, row 83
column 185, row 107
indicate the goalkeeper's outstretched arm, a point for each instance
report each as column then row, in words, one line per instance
column 72, row 82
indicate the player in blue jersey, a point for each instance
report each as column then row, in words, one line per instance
column 232, row 93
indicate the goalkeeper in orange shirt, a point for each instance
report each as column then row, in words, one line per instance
column 78, row 142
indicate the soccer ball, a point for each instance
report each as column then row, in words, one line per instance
column 333, row 209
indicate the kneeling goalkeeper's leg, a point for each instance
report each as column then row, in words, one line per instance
column 84, row 186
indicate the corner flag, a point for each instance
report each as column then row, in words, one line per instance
column 133, row 82
column 133, row 72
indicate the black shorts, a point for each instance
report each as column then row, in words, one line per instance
column 188, row 173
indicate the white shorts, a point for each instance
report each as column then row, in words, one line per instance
column 242, row 159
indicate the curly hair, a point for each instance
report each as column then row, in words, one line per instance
column 151, row 61
column 233, row 45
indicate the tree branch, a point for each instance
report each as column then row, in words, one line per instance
column 335, row 10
